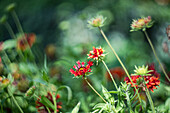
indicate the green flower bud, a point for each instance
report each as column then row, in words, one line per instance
column 10, row 7
column 3, row 19
column 30, row 91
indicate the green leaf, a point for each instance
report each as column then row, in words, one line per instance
column 9, row 44
column 99, row 106
column 106, row 93
column 45, row 76
column 47, row 102
column 45, row 63
column 10, row 78
column 76, row 108
column 114, row 92
column 69, row 92
column 118, row 107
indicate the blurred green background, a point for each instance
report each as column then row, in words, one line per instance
column 61, row 28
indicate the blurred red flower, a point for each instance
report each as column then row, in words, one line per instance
column 117, row 73
column 25, row 42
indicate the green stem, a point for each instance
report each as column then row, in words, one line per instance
column 45, row 106
column 8, row 27
column 1, row 108
column 48, row 110
column 14, row 100
column 120, row 62
column 55, row 104
column 19, row 27
column 149, row 97
column 17, row 22
column 110, row 74
column 150, row 100
column 37, row 96
column 95, row 91
column 9, row 61
column 153, row 49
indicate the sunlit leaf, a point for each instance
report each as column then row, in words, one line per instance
column 76, row 108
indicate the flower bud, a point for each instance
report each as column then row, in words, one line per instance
column 10, row 7
column 30, row 91
column 141, row 24
column 3, row 19
column 96, row 22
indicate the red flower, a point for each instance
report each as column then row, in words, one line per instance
column 117, row 73
column 96, row 53
column 25, row 42
column 151, row 81
column 81, row 69
column 42, row 108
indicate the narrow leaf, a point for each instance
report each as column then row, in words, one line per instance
column 76, row 108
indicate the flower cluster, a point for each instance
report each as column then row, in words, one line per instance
column 26, row 41
column 141, row 24
column 96, row 54
column 151, row 79
column 81, row 69
column 98, row 21
column 42, row 108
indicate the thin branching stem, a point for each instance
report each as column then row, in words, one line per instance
column 110, row 74
column 153, row 49
column 95, row 90
column 120, row 62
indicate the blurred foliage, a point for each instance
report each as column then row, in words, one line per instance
column 63, row 38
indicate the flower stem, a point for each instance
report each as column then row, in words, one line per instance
column 14, row 100
column 17, row 22
column 19, row 27
column 150, row 100
column 9, row 61
column 110, row 75
column 95, row 90
column 8, row 27
column 120, row 62
column 55, row 105
column 153, row 49
column 149, row 97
